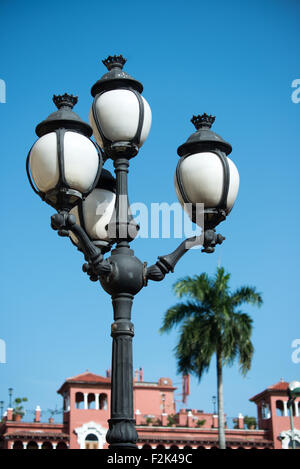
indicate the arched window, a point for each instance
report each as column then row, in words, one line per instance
column 18, row 445
column 214, row 447
column 61, row 445
column 91, row 441
column 174, row 447
column 187, row 447
column 146, row 447
column 201, row 447
column 66, row 402
column 279, row 409
column 91, row 401
column 47, row 445
column 79, row 400
column 160, row 447
column 265, row 411
column 103, row 401
column 32, row 445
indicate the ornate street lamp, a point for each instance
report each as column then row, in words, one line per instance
column 214, row 401
column 10, row 393
column 293, row 393
column 94, row 211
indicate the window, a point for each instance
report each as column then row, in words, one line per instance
column 32, row 445
column 91, row 441
column 91, row 401
column 18, row 445
column 61, row 445
column 79, row 400
column 103, row 401
column 47, row 445
column 279, row 409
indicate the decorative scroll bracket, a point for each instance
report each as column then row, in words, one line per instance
column 167, row 263
column 97, row 266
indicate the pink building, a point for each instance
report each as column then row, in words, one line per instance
column 86, row 404
column 273, row 415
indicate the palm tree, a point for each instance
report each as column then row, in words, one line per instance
column 211, row 323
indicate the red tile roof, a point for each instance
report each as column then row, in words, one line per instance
column 281, row 386
column 88, row 377
column 85, row 378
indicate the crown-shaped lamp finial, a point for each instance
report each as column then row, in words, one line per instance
column 113, row 61
column 203, row 121
column 65, row 100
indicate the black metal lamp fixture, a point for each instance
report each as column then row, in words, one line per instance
column 120, row 116
column 206, row 180
column 64, row 163
column 94, row 210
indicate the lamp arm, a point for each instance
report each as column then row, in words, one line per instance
column 63, row 222
column 167, row 263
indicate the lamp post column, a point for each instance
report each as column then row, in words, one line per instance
column 122, row 432
column 290, row 406
column 10, row 393
column 125, row 280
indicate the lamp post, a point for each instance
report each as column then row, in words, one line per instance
column 10, row 393
column 214, row 401
column 65, row 169
column 293, row 393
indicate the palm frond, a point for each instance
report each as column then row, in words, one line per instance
column 242, row 326
column 178, row 313
column 246, row 295
column 221, row 280
column 195, row 347
column 194, row 287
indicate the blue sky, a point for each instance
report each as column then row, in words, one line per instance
column 233, row 59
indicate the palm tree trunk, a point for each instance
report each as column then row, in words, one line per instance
column 221, row 426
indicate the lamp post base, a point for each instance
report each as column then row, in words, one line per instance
column 122, row 434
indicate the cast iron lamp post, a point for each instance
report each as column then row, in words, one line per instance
column 10, row 393
column 93, row 207
column 293, row 393
column 214, row 401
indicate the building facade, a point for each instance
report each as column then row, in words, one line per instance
column 273, row 415
column 86, row 404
